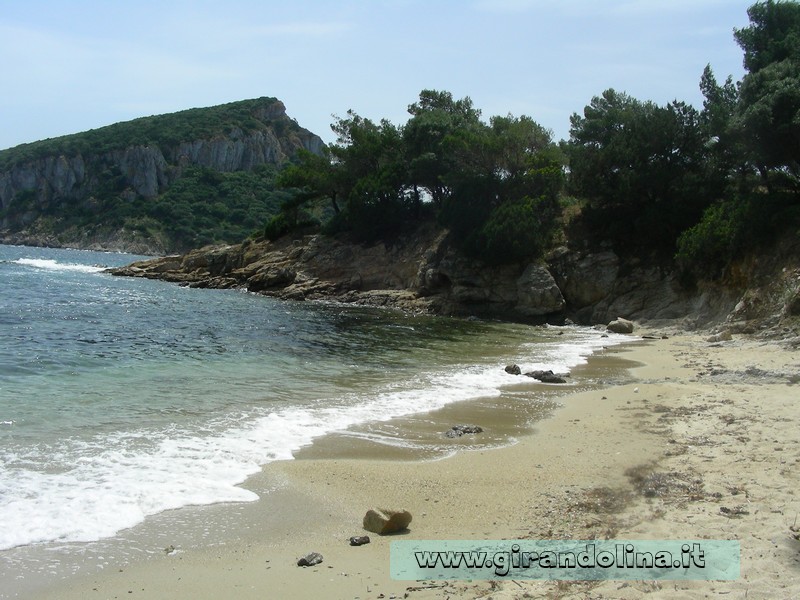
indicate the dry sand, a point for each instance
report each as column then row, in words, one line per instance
column 704, row 444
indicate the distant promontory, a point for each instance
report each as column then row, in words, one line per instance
column 154, row 184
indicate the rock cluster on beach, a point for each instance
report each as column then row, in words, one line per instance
column 540, row 375
column 460, row 430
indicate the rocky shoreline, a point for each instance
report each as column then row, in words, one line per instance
column 129, row 242
column 424, row 272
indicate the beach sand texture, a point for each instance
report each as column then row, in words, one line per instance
column 702, row 441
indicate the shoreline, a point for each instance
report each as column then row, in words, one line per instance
column 675, row 429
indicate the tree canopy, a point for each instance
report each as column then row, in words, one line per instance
column 698, row 184
column 482, row 180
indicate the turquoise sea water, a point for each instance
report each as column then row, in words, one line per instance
column 121, row 398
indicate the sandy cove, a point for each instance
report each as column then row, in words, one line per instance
column 702, row 442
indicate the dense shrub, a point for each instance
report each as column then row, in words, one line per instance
column 734, row 226
column 517, row 231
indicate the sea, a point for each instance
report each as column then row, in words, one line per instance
column 122, row 398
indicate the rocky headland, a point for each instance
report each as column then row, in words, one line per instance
column 61, row 192
column 425, row 272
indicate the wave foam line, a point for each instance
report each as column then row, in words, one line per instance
column 52, row 265
column 93, row 489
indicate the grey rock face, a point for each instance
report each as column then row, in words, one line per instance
column 620, row 325
column 538, row 293
column 149, row 170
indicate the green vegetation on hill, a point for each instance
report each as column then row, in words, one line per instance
column 202, row 207
column 86, row 190
column 205, row 207
column 160, row 130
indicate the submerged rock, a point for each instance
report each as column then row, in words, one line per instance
column 383, row 521
column 459, row 430
column 513, row 370
column 546, row 376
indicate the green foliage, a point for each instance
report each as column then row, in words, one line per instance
column 772, row 36
column 506, row 180
column 435, row 119
column 707, row 247
column 768, row 112
column 202, row 206
column 732, row 227
column 482, row 180
column 769, row 115
column 277, row 227
column 642, row 169
column 314, row 176
column 370, row 172
column 517, row 230
column 207, row 206
column 292, row 216
column 161, row 130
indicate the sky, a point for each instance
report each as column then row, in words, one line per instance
column 70, row 66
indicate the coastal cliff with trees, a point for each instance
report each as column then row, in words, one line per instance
column 646, row 211
column 152, row 185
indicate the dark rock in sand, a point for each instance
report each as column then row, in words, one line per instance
column 546, row 376
column 309, row 560
column 383, row 521
column 459, row 430
column 513, row 370
column 359, row 540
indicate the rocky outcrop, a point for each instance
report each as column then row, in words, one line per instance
column 111, row 240
column 240, row 151
column 599, row 287
column 466, row 286
column 537, row 292
column 69, row 176
column 420, row 273
column 425, row 273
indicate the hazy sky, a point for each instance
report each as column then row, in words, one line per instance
column 68, row 66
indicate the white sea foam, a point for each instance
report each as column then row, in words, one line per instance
column 52, row 265
column 88, row 490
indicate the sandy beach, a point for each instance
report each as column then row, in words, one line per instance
column 695, row 440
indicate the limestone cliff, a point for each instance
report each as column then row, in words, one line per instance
column 138, row 160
